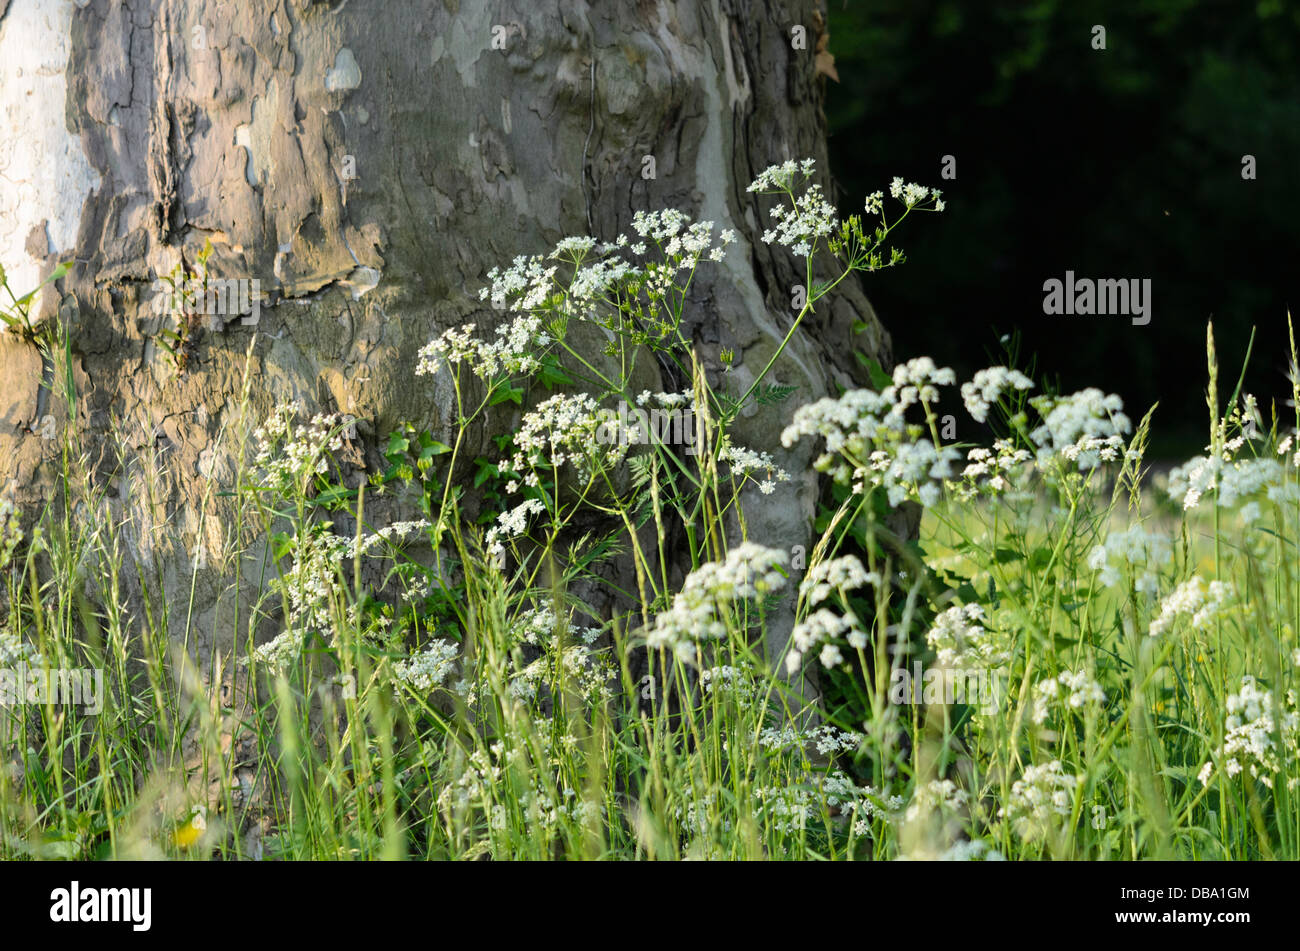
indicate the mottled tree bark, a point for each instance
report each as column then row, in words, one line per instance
column 367, row 161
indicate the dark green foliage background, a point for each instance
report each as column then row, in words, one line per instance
column 1122, row 163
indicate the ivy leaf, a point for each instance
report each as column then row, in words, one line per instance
column 486, row 470
column 552, row 374
column 398, row 446
column 506, row 392
column 429, row 448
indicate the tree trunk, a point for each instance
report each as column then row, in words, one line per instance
column 366, row 162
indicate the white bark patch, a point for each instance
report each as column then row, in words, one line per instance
column 737, row 86
column 44, row 174
column 244, row 140
column 345, row 75
column 255, row 137
column 361, row 281
column 471, row 31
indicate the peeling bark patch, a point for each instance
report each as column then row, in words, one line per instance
column 44, row 174
column 345, row 75
column 244, row 139
column 463, row 156
column 361, row 281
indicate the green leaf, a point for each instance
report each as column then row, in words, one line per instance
column 281, row 544
column 432, row 447
column 552, row 374
column 771, row 393
column 507, row 392
column 55, row 275
column 486, row 470
column 879, row 378
column 1039, row 558
column 639, row 469
column 335, row 494
column 398, row 445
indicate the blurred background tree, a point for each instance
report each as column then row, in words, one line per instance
column 1122, row 163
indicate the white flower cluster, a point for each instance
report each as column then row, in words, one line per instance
column 289, row 454
column 845, row 798
column 938, row 795
column 869, row 431
column 787, row 808
column 1085, row 427
column 826, row 739
column 919, row 378
column 1231, row 481
column 991, row 471
column 911, row 194
column 313, row 582
column 532, row 287
column 583, row 670
column 960, row 640
column 539, row 627
column 873, row 805
column 1134, row 549
column 564, row 429
column 1195, row 599
column 735, row 683
column 801, row 226
column 790, row 807
column 665, row 400
column 682, row 241
column 853, row 423
column 475, row 784
column 518, row 342
column 1073, row 688
column 279, row 653
column 546, row 802
column 1285, row 447
column 911, row 470
column 600, row 280
column 829, row 630
column 987, row 388
column 749, row 571
column 511, row 524
column 1042, row 793
column 396, row 534
column 782, row 178
column 811, row 217
column 523, row 288
column 836, row 575
column 1188, row 482
column 14, row 650
column 430, row 667
column 454, row 346
column 1253, row 732
column 745, row 462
